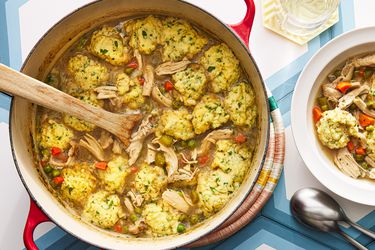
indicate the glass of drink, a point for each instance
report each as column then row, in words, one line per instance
column 302, row 17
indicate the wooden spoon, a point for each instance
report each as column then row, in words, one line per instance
column 16, row 83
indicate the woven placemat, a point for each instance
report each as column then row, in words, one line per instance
column 264, row 186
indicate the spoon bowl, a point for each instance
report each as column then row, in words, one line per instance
column 317, row 210
column 315, row 204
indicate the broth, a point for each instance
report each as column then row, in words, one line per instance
column 345, row 118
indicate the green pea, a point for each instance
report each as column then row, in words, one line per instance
column 166, row 140
column 181, row 228
column 359, row 157
column 128, row 70
column 56, row 173
column 323, row 101
column 160, row 159
column 191, row 144
column 47, row 169
column 370, row 128
column 176, row 104
column 194, row 219
column 325, row 107
column 364, row 165
column 138, row 210
column 133, row 217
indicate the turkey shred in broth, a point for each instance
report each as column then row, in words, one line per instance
column 188, row 155
column 345, row 116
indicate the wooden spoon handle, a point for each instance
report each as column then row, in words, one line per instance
column 16, row 83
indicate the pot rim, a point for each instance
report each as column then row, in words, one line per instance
column 267, row 132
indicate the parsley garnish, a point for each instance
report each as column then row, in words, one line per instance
column 210, row 68
column 103, row 51
column 144, row 34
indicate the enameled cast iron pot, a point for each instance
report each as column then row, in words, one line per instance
column 41, row 60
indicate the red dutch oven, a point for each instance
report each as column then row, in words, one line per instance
column 44, row 206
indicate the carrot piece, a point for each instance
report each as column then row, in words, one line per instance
column 55, row 151
column 141, row 80
column 58, row 180
column 101, row 165
column 117, row 228
column 168, row 85
column 240, row 138
column 343, row 86
column 365, row 120
column 350, row 146
column 317, row 114
column 132, row 64
column 360, row 151
column 134, row 169
column 203, row 159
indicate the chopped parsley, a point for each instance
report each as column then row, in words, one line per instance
column 144, row 34
column 103, row 51
column 210, row 68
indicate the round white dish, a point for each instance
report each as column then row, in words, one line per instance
column 318, row 161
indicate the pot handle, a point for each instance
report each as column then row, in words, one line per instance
column 35, row 217
column 243, row 28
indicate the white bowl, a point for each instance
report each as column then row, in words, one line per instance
column 316, row 159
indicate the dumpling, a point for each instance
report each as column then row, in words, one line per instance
column 209, row 113
column 180, row 40
column 103, row 209
column 222, row 66
column 108, row 45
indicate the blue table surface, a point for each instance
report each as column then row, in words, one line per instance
column 274, row 226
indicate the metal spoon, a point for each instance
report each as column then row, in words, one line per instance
column 318, row 205
column 326, row 226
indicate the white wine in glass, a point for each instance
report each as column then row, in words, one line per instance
column 301, row 17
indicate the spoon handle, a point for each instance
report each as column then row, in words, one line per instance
column 18, row 84
column 352, row 241
column 361, row 229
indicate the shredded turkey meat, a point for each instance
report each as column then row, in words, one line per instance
column 160, row 98
column 170, row 157
column 106, row 92
column 93, row 146
column 169, row 68
column 211, row 139
column 346, row 163
column 136, row 142
column 149, row 80
column 176, row 200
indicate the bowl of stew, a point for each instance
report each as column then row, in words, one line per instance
column 193, row 157
column 333, row 115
